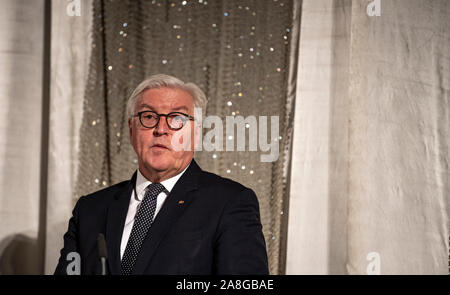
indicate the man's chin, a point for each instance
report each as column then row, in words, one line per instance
column 158, row 166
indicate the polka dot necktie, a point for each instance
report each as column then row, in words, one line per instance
column 142, row 223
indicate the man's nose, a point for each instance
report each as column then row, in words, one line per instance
column 162, row 127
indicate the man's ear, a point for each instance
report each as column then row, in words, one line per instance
column 130, row 127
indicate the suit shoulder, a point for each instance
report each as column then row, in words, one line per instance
column 214, row 181
column 105, row 194
column 227, row 193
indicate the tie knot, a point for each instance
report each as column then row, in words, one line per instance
column 154, row 189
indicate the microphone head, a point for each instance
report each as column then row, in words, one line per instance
column 101, row 244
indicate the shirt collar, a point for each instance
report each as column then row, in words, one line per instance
column 142, row 183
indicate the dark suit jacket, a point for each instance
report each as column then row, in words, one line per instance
column 216, row 230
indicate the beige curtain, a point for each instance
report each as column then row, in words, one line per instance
column 371, row 140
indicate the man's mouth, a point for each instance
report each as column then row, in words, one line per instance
column 160, row 146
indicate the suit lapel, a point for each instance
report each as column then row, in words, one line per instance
column 117, row 213
column 171, row 210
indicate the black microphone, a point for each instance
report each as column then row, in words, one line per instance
column 102, row 253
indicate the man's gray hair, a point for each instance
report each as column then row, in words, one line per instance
column 160, row 81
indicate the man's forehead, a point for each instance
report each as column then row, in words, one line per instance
column 176, row 99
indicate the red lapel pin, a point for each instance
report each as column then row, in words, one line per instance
column 180, row 202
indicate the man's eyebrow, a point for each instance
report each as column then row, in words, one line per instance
column 180, row 108
column 146, row 106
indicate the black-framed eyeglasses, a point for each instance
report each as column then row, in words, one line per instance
column 174, row 120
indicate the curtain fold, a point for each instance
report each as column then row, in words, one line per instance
column 71, row 45
column 317, row 234
column 21, row 89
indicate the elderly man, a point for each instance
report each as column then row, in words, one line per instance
column 171, row 217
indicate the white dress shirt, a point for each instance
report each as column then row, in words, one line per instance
column 136, row 197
